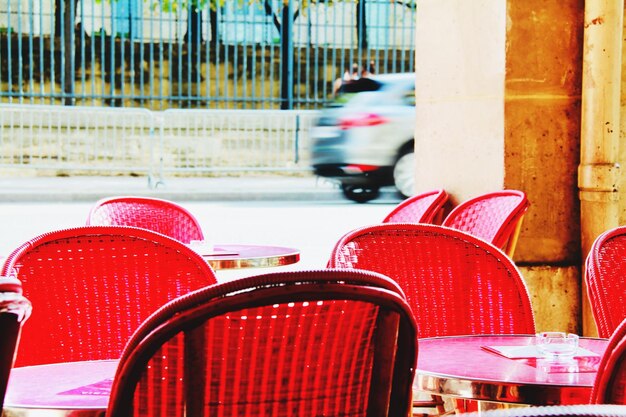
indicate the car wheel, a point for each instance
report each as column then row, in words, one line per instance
column 360, row 193
column 404, row 173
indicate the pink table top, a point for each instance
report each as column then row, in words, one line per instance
column 455, row 366
column 84, row 386
column 251, row 256
column 460, row 367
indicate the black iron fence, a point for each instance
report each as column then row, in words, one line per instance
column 160, row 54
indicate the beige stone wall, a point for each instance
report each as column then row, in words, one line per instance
column 555, row 296
column 498, row 106
column 542, row 151
column 459, row 96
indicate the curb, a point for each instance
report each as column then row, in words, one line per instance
column 91, row 189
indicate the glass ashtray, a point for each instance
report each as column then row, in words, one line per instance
column 556, row 345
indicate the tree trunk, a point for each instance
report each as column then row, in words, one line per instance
column 58, row 16
column 193, row 40
column 361, row 25
column 194, row 26
column 69, row 7
column 214, row 31
column 286, row 40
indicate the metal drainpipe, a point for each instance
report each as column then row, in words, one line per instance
column 598, row 172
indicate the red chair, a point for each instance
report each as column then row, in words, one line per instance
column 455, row 283
column 284, row 344
column 158, row 215
column 92, row 286
column 302, row 343
column 495, row 217
column 14, row 310
column 610, row 384
column 605, row 270
column 421, row 208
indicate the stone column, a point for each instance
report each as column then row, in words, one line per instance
column 600, row 132
column 542, row 141
column 498, row 95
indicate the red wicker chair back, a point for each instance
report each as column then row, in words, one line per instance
column 605, row 276
column 495, row 217
column 610, row 383
column 14, row 310
column 455, row 283
column 162, row 216
column 285, row 344
column 421, row 208
column 92, row 286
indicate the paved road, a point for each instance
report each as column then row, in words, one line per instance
column 243, row 188
column 310, row 216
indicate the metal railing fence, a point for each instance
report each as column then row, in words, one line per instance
column 159, row 54
column 233, row 140
column 59, row 140
column 78, row 138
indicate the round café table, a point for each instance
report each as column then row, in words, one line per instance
column 249, row 256
column 77, row 389
column 454, row 366
column 462, row 367
column 225, row 256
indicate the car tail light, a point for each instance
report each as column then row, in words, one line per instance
column 361, row 120
column 358, row 168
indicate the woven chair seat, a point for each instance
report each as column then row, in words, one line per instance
column 303, row 343
column 455, row 283
column 422, row 208
column 495, row 217
column 610, row 383
column 92, row 286
column 162, row 216
column 605, row 276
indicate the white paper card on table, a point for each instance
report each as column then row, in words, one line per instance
column 219, row 252
column 216, row 252
column 206, row 248
column 531, row 351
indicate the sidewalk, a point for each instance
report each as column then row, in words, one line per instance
column 248, row 188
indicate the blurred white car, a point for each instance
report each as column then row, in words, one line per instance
column 365, row 139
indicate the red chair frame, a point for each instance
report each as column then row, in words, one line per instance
column 605, row 267
column 14, row 311
column 449, row 278
column 421, row 208
column 158, row 215
column 445, row 274
column 289, row 334
column 495, row 217
column 92, row 286
column 610, row 384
